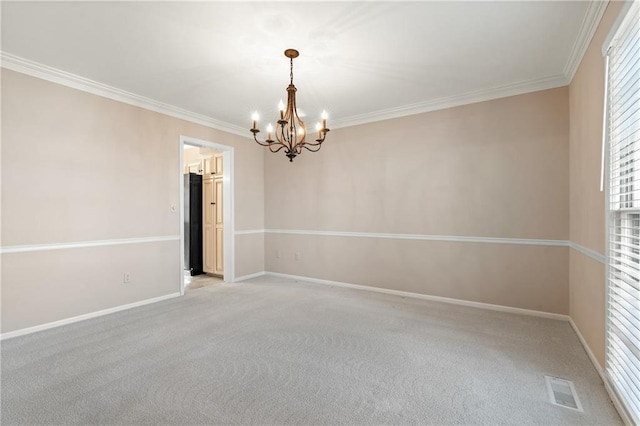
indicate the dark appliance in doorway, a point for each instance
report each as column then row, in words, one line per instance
column 193, row 223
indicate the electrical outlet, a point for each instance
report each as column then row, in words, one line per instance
column 126, row 278
column 297, row 255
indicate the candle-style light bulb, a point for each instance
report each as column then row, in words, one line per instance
column 269, row 131
column 281, row 108
column 319, row 129
column 255, row 117
column 324, row 119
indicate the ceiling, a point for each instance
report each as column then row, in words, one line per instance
column 361, row 61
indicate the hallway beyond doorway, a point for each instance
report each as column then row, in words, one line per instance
column 199, row 281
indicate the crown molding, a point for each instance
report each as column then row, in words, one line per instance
column 472, row 97
column 45, row 72
column 588, row 27
column 34, row 69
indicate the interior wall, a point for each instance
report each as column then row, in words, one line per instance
column 77, row 167
column 587, row 206
column 190, row 155
column 496, row 169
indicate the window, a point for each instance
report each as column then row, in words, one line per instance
column 623, row 270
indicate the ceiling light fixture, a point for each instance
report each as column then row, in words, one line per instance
column 291, row 132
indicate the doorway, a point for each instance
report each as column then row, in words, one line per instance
column 224, row 183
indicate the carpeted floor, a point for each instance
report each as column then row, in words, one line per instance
column 272, row 351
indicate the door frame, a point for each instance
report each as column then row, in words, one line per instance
column 228, row 209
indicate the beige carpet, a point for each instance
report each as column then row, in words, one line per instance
column 272, row 351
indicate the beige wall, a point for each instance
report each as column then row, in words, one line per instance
column 587, row 300
column 527, row 277
column 490, row 169
column 100, row 170
column 586, row 98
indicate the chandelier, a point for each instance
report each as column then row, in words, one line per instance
column 290, row 133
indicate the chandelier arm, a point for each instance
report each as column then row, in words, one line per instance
column 318, row 142
column 269, row 145
column 255, row 138
column 280, row 146
column 313, row 149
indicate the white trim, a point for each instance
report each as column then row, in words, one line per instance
column 25, row 66
column 458, row 239
column 587, row 349
column 608, row 41
column 614, row 397
column 83, row 317
column 472, row 97
column 451, row 301
column 591, row 253
column 607, row 248
column 228, row 214
column 85, row 244
column 250, row 232
column 618, row 404
column 588, row 27
column 181, row 212
column 228, row 204
column 250, row 276
column 605, row 121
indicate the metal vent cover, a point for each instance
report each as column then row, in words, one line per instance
column 562, row 393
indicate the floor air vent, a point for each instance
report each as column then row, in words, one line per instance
column 562, row 393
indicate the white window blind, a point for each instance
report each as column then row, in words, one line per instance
column 623, row 272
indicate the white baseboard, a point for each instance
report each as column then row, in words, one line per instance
column 587, row 349
column 612, row 394
column 83, row 317
column 480, row 305
column 626, row 419
column 249, row 276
